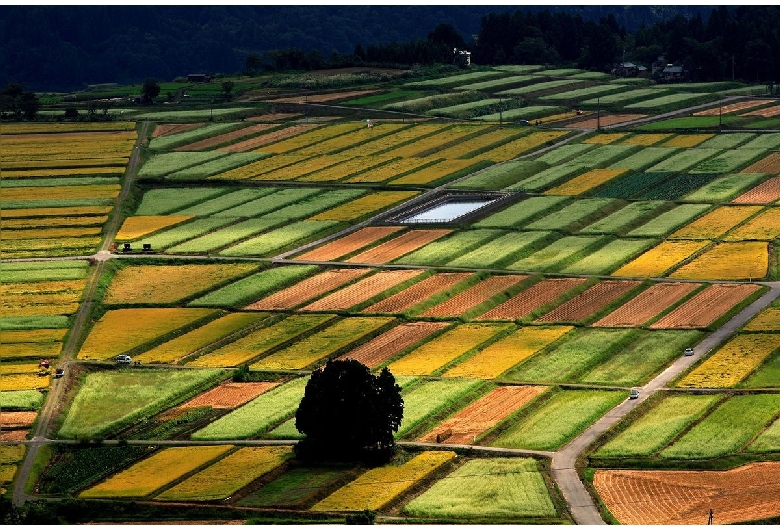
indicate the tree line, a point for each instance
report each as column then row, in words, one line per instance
column 741, row 43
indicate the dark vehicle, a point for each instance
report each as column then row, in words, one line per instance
column 59, row 372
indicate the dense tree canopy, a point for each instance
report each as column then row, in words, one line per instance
column 349, row 413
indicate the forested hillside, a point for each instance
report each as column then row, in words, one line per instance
column 67, row 47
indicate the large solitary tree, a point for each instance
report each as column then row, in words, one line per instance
column 348, row 413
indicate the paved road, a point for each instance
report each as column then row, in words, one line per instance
column 582, row 505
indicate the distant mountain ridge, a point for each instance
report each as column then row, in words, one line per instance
column 54, row 47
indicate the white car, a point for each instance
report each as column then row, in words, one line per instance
column 634, row 394
column 688, row 352
column 124, row 359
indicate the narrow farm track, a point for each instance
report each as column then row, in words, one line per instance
column 69, row 349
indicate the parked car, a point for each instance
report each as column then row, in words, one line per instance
column 688, row 352
column 633, row 394
column 59, row 372
column 124, row 359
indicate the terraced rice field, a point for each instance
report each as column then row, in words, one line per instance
column 743, row 494
column 307, row 289
column 348, row 244
column 706, row 307
column 647, row 304
column 399, row 246
column 765, row 193
column 523, row 304
column 589, row 301
column 417, row 293
column 473, row 296
column 392, row 342
column 465, row 426
column 361, row 290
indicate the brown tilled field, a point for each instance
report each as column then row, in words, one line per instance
column 647, row 304
column 392, row 342
column 348, row 244
column 522, row 304
column 706, row 307
column 473, row 296
column 266, row 139
column 606, row 119
column 225, row 138
column 419, row 292
column 589, row 301
column 14, row 420
column 229, row 395
column 769, row 164
column 307, row 289
column 16, row 435
column 768, row 112
column 397, row 247
column 276, row 116
column 362, row 290
column 733, row 107
column 747, row 493
column 766, row 192
column 324, row 98
column 483, row 414
column 165, row 129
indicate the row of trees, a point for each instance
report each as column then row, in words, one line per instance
column 733, row 43
column 16, row 102
column 740, row 43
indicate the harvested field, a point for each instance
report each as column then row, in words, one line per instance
column 229, row 395
column 733, row 107
column 408, row 298
column 277, row 116
column 165, row 129
column 706, row 307
column 522, row 304
column 768, row 164
column 392, row 342
column 348, row 244
column 13, row 420
column 768, row 112
column 397, row 247
column 743, row 494
column 606, row 119
column 323, row 98
column 766, row 192
column 646, row 305
column 16, row 435
column 225, row 138
column 483, row 414
column 474, row 296
column 589, row 301
column 307, row 289
column 265, row 139
column 362, row 290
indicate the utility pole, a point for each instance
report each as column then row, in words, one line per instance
column 598, row 114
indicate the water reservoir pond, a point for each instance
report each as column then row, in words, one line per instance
column 447, row 211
